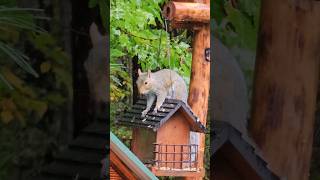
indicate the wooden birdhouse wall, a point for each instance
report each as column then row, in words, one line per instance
column 223, row 170
column 142, row 143
column 174, row 133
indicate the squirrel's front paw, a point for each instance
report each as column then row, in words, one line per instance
column 156, row 109
column 144, row 113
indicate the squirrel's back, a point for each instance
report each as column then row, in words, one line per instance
column 173, row 83
column 164, row 81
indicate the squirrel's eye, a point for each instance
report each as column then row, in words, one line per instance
column 145, row 82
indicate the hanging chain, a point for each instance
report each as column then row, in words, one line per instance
column 168, row 42
column 169, row 54
column 159, row 47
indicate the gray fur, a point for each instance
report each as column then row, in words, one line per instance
column 160, row 85
column 230, row 100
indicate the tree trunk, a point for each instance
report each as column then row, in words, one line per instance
column 285, row 85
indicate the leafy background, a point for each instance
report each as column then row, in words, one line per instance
column 35, row 87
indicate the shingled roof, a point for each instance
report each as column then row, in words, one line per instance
column 132, row 117
column 82, row 158
column 226, row 136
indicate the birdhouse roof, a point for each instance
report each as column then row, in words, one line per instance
column 130, row 160
column 230, row 142
column 74, row 161
column 132, row 117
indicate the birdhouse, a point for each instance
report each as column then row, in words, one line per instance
column 162, row 140
column 232, row 157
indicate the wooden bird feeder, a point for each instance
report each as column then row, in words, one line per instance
column 162, row 140
column 195, row 15
column 232, row 157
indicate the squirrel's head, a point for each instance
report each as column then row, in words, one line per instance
column 145, row 82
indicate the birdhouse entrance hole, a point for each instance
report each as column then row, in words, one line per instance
column 176, row 157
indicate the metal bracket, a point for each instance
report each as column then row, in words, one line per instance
column 207, row 53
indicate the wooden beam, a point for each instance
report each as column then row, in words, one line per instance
column 186, row 14
column 285, row 85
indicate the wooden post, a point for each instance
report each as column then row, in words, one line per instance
column 285, row 85
column 200, row 83
column 200, row 73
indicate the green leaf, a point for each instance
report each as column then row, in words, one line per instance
column 116, row 53
column 18, row 57
column 243, row 27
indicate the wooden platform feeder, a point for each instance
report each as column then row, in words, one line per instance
column 195, row 15
column 232, row 157
column 162, row 140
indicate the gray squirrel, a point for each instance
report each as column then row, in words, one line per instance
column 96, row 67
column 164, row 84
column 229, row 98
column 160, row 85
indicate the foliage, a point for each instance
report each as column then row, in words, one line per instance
column 12, row 21
column 236, row 25
column 36, row 72
column 140, row 34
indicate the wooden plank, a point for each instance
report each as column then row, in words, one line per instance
column 120, row 168
column 285, row 85
column 114, row 175
column 142, row 143
column 133, row 163
column 178, row 173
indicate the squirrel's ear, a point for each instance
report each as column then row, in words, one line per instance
column 149, row 73
column 139, row 72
